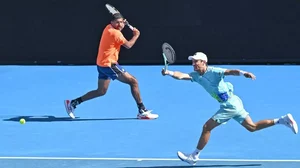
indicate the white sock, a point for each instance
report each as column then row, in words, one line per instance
column 196, row 153
column 276, row 121
column 279, row 120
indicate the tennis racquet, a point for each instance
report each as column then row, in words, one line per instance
column 113, row 11
column 169, row 55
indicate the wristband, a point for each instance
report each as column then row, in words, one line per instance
column 242, row 72
column 171, row 73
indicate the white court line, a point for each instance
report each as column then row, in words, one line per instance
column 145, row 159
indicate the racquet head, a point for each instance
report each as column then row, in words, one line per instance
column 168, row 53
column 113, row 11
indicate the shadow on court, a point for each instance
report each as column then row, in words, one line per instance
column 239, row 165
column 59, row 119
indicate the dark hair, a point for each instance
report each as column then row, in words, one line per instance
column 116, row 16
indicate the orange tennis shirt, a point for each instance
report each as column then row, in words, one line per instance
column 109, row 47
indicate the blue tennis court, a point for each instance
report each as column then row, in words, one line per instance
column 106, row 133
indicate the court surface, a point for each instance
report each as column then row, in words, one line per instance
column 106, row 133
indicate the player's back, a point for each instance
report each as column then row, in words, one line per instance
column 109, row 47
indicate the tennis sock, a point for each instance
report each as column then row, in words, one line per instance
column 276, row 121
column 196, row 153
column 141, row 106
column 76, row 101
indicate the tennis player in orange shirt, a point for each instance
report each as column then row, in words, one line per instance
column 108, row 68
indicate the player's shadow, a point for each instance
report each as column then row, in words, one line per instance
column 233, row 165
column 48, row 118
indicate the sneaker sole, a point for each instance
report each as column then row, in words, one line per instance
column 146, row 118
column 295, row 126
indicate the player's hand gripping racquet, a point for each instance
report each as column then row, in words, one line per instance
column 113, row 11
column 169, row 55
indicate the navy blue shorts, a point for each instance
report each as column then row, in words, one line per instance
column 110, row 72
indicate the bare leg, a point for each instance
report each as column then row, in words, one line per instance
column 133, row 83
column 207, row 128
column 286, row 120
column 262, row 124
column 143, row 113
column 203, row 140
column 100, row 91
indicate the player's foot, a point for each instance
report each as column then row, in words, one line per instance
column 69, row 108
column 146, row 114
column 289, row 121
column 188, row 158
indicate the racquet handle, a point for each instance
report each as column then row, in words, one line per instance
column 130, row 26
column 127, row 23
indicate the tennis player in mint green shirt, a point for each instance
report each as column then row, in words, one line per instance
column 231, row 106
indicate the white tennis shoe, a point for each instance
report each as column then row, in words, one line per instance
column 69, row 108
column 289, row 121
column 146, row 115
column 188, row 158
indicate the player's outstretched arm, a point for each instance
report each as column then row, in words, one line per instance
column 176, row 74
column 236, row 72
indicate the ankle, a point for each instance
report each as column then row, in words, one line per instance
column 196, row 153
column 278, row 121
column 76, row 102
column 141, row 106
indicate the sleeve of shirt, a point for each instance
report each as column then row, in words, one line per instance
column 219, row 71
column 119, row 37
column 193, row 75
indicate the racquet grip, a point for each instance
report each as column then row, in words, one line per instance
column 127, row 23
column 130, row 26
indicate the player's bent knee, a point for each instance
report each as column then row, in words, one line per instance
column 249, row 125
column 101, row 92
column 210, row 125
column 133, row 82
column 251, row 128
column 207, row 127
